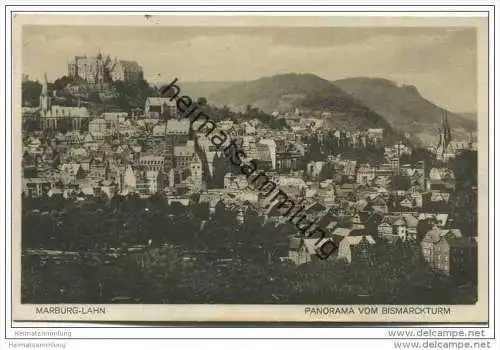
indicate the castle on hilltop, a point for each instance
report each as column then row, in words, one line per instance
column 100, row 69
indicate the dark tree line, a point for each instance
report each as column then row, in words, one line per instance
column 464, row 200
column 397, row 275
column 31, row 91
column 189, row 257
column 132, row 94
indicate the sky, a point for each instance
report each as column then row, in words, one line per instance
column 440, row 62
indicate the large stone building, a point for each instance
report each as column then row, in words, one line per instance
column 157, row 106
column 176, row 134
column 125, row 71
column 449, row 252
column 100, row 69
column 93, row 70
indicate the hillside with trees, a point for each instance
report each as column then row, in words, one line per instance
column 404, row 107
column 307, row 92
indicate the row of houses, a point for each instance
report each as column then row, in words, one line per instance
column 445, row 250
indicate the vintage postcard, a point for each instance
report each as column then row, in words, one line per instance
column 237, row 168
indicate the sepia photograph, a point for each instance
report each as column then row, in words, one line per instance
column 321, row 167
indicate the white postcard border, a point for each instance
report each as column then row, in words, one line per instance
column 183, row 332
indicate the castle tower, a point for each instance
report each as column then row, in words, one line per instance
column 45, row 99
column 99, row 73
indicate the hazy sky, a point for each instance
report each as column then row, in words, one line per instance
column 440, row 62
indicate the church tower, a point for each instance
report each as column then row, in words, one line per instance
column 444, row 135
column 45, row 100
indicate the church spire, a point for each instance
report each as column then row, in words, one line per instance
column 45, row 100
column 447, row 128
column 45, row 85
column 444, row 132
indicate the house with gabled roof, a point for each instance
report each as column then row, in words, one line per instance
column 156, row 106
column 407, row 203
column 440, row 197
column 70, row 169
column 90, row 142
column 441, row 173
column 357, row 222
column 417, row 198
column 299, row 253
column 393, row 225
column 304, row 250
column 451, row 233
column 350, row 242
column 379, row 205
column 55, row 192
column 211, row 198
column 441, row 179
column 349, row 238
column 452, row 255
column 342, row 232
column 365, row 174
column 411, row 225
column 439, row 220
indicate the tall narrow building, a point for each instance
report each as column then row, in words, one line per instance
column 444, row 135
column 45, row 100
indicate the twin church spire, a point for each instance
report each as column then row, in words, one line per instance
column 444, row 133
